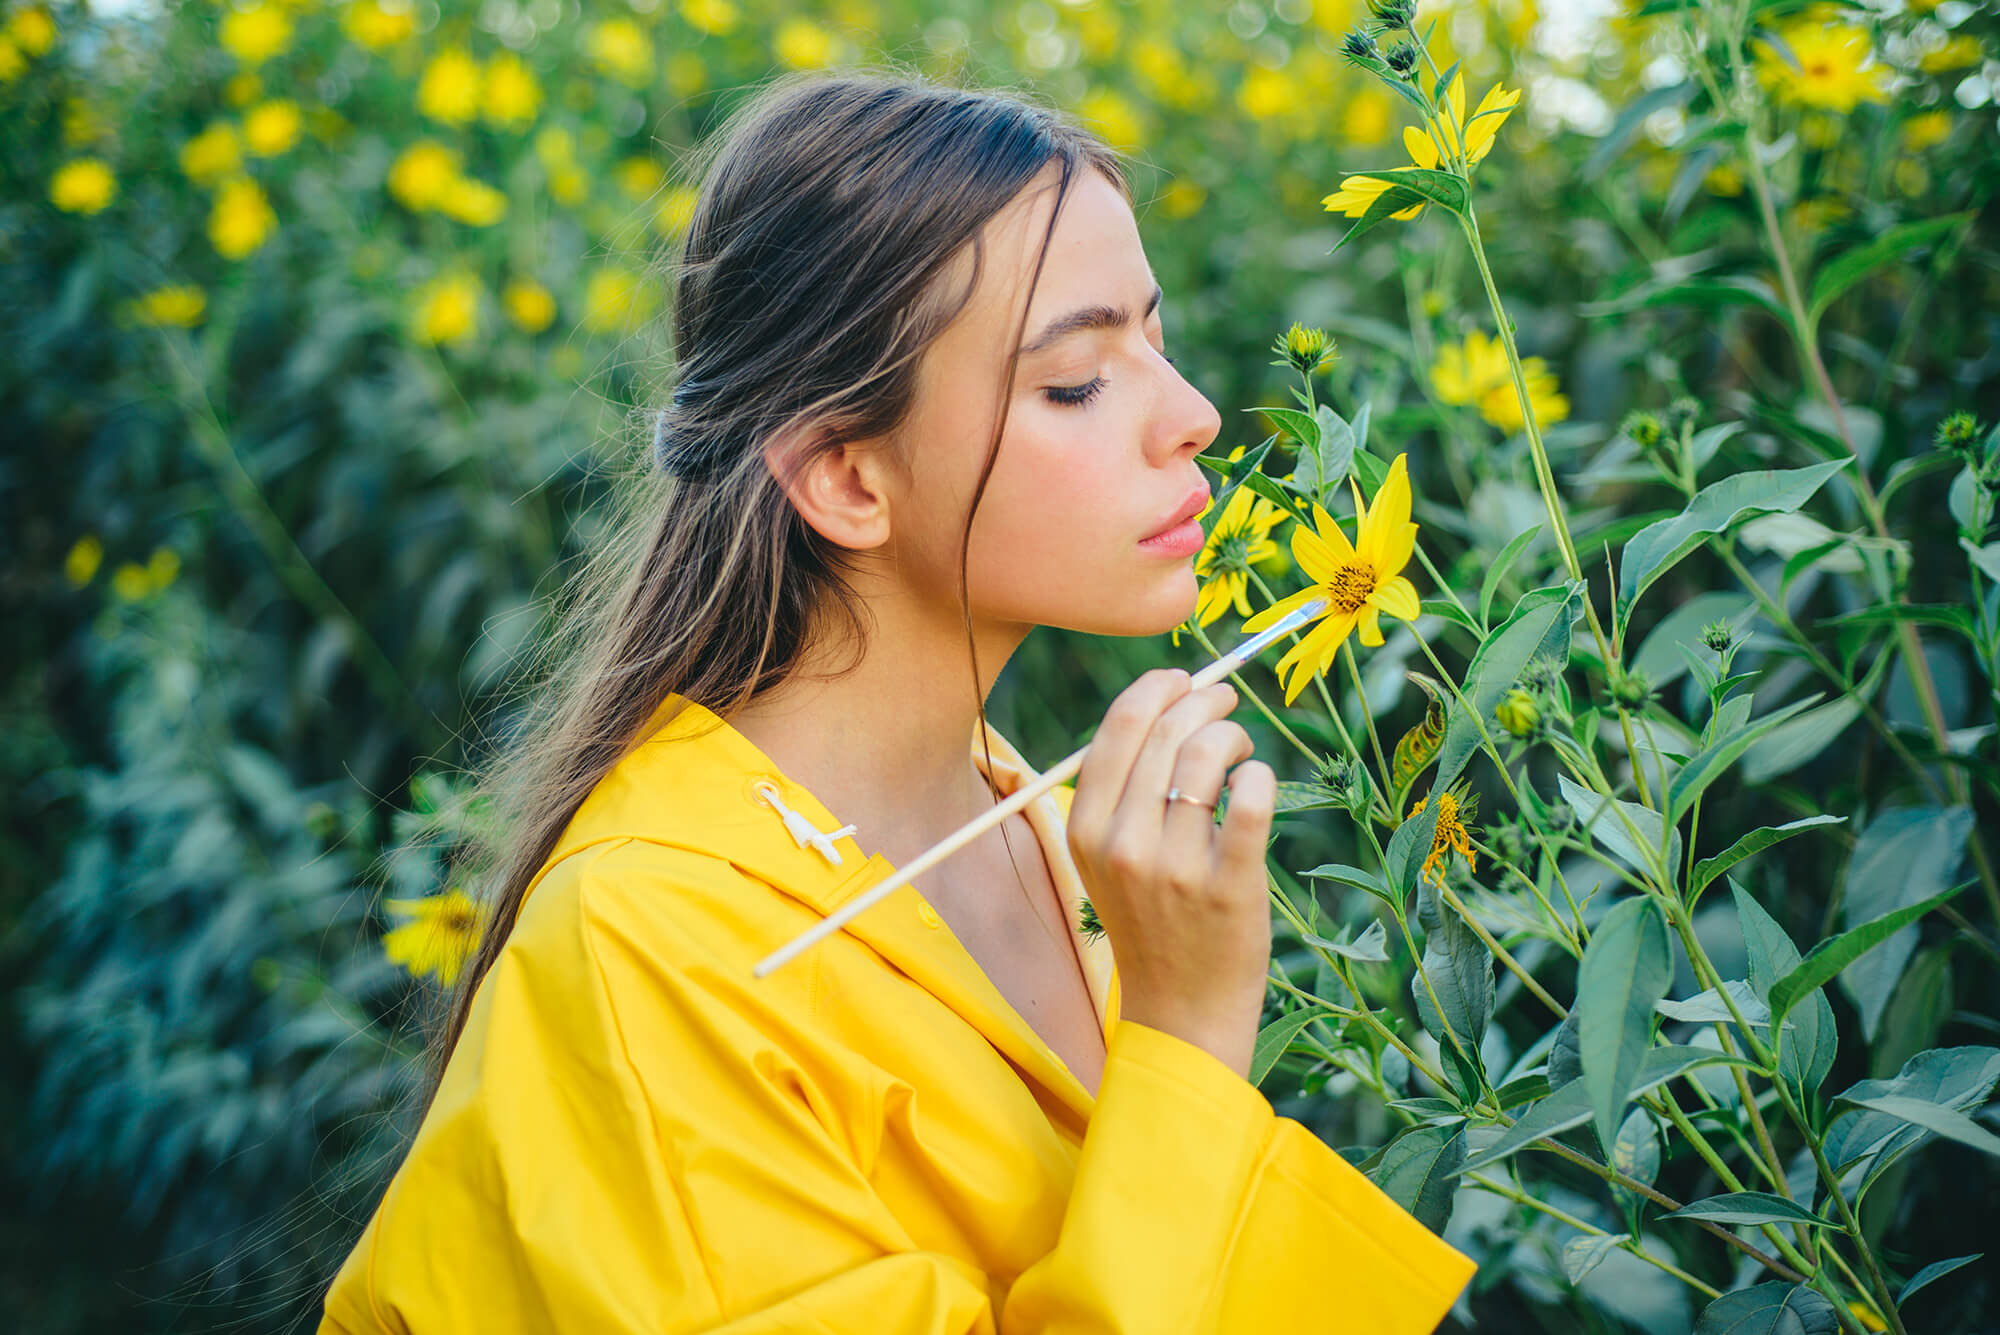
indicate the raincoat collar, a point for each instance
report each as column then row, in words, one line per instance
column 694, row 783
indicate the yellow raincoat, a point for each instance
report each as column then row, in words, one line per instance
column 636, row 1134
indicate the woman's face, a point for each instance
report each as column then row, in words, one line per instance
column 1098, row 454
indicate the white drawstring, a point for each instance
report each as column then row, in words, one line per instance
column 804, row 833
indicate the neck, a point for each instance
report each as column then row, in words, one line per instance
column 886, row 744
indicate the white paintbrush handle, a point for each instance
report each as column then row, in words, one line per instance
column 986, row 820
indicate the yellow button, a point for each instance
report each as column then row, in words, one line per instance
column 930, row 916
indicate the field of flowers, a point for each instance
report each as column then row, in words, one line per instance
column 1625, row 377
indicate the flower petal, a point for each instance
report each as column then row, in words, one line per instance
column 1371, row 630
column 1277, row 611
column 1423, row 151
column 1398, row 597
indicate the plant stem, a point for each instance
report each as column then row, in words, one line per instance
column 1368, row 715
column 1243, row 688
column 1486, row 1183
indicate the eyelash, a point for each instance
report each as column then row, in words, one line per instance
column 1074, row 396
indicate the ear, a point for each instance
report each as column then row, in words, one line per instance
column 841, row 491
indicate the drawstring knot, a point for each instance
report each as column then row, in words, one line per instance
column 804, row 833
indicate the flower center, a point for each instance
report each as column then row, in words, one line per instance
column 1351, row 585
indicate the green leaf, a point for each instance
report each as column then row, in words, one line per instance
column 1748, row 1207
column 1903, row 856
column 1234, row 474
column 1935, row 1270
column 1626, row 128
column 1410, row 185
column 1946, row 1122
column 1808, row 1041
column 1408, row 847
column 1306, row 796
column 1419, row 1169
column 1336, row 451
column 1595, row 812
column 1945, row 616
column 1450, row 611
column 1340, row 872
column 1627, row 967
column 1371, row 947
column 1830, row 957
column 1582, row 1253
column 1749, row 846
column 1539, row 626
column 1459, row 969
column 1275, row 1038
column 1709, row 1007
column 1654, row 550
column 1798, row 740
column 1706, row 293
column 1850, row 268
column 1301, row 427
column 1715, row 759
column 1498, row 570
column 1769, row 1309
column 1948, row 1077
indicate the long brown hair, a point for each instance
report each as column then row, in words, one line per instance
column 817, row 269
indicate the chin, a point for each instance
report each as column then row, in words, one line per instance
column 1153, row 609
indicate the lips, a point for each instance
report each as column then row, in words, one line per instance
column 1188, row 509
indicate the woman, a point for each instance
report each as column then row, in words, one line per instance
column 924, row 408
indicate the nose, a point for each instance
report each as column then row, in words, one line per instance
column 1186, row 422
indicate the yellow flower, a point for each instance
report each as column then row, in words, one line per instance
column 12, row 63
column 1114, row 117
column 1472, row 139
column 804, row 45
column 133, row 582
column 83, row 185
column 241, row 219
column 254, row 35
column 1241, row 538
column 449, row 89
column 1357, row 194
column 1359, row 582
column 81, row 123
column 568, row 184
column 213, row 154
column 1266, row 93
column 512, row 98
column 422, row 174
column 676, row 210
column 1958, row 51
column 1182, row 199
column 1475, row 373
column 529, row 305
column 716, row 17
column 32, row 30
column 686, row 74
column 180, row 305
column 638, row 176
column 441, row 936
column 80, row 566
column 474, row 203
column 1366, row 117
column 615, row 301
column 1724, row 179
column 447, row 309
column 1835, row 71
column 554, row 145
column 1926, row 129
column 369, row 24
column 270, row 128
column 622, row 49
column 1450, row 836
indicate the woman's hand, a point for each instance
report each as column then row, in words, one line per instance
column 1182, row 899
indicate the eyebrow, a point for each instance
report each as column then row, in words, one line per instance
column 1087, row 317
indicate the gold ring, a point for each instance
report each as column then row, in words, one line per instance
column 1176, row 795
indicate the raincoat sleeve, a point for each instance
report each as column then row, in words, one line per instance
column 633, row 1139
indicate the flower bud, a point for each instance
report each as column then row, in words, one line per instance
column 1360, row 46
column 1403, row 59
column 1631, row 689
column 1715, row 636
column 1957, row 432
column 1644, row 428
column 1307, row 349
column 1518, row 713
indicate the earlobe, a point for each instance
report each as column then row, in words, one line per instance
column 836, row 489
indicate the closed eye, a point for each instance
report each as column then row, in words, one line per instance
column 1072, row 396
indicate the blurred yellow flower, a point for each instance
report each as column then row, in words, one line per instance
column 568, row 184
column 1240, row 539
column 1836, row 68
column 1813, row 215
column 622, row 49
column 1926, row 129
column 554, row 145
column 471, row 202
column 12, row 63
column 1266, row 93
column 241, row 219
column 271, row 128
column 422, row 174
column 1112, row 115
column 85, row 556
column 83, row 185
column 449, row 89
column 256, row 34
column 1359, row 582
column 1724, row 179
column 686, row 74
column 1959, row 50
column 512, row 97
column 676, row 210
column 1450, row 836
column 1164, row 72
column 1366, row 118
column 1097, row 31
column 447, row 309
column 31, row 29
column 180, row 305
column 615, row 301
column 802, row 44
column 242, row 88
column 716, row 17
column 529, row 305
column 133, row 582
column 442, row 935
column 1182, row 199
column 375, row 26
column 212, row 155
column 638, row 176
column 1475, row 373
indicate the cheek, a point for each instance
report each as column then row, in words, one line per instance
column 1051, row 515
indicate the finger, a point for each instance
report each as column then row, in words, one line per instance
column 1188, row 834
column 1141, row 809
column 1115, row 746
column 1246, row 826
